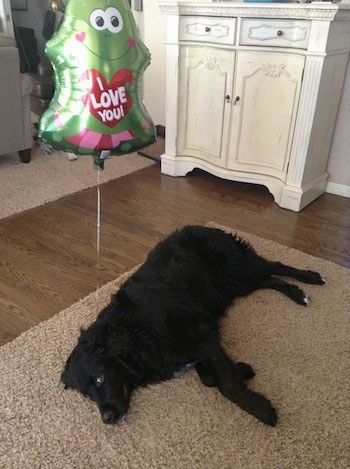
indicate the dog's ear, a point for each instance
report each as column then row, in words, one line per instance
column 93, row 337
column 67, row 375
column 128, row 366
column 66, row 378
column 82, row 334
column 98, row 339
column 106, row 339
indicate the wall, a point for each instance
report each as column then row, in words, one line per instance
column 153, row 31
column 33, row 18
column 6, row 27
column 339, row 160
column 153, row 35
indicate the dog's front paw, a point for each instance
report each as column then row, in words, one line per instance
column 299, row 296
column 316, row 278
column 309, row 276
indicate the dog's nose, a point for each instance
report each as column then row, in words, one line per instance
column 108, row 416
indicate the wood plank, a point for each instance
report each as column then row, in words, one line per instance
column 48, row 254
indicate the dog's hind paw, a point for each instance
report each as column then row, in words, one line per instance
column 243, row 371
column 263, row 410
column 255, row 404
column 269, row 417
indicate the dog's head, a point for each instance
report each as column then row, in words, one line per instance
column 104, row 377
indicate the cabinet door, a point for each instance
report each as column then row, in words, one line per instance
column 265, row 103
column 206, row 80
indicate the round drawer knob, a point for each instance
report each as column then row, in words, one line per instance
column 279, row 33
column 207, row 29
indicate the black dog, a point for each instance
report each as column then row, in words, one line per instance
column 166, row 316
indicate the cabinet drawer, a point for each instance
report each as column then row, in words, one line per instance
column 279, row 33
column 207, row 29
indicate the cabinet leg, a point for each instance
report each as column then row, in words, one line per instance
column 25, row 155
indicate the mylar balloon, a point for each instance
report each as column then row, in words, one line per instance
column 98, row 60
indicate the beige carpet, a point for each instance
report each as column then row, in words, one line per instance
column 155, row 150
column 50, row 177
column 301, row 356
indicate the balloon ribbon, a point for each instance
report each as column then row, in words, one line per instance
column 98, row 239
column 99, row 165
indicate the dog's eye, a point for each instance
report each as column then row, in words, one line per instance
column 100, row 380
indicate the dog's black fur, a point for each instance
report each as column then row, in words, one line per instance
column 166, row 315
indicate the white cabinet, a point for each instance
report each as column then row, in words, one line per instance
column 266, row 99
column 253, row 93
column 206, row 80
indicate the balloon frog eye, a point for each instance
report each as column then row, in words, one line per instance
column 100, row 380
column 97, row 19
column 99, row 22
column 114, row 20
column 110, row 19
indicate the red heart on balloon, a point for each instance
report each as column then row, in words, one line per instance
column 108, row 102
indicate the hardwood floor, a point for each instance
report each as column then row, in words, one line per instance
column 48, row 254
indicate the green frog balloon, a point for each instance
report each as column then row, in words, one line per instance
column 98, row 60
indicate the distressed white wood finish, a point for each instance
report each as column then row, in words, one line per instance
column 277, row 33
column 280, row 130
column 261, row 131
column 217, row 30
column 206, row 78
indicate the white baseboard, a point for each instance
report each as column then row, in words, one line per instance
column 338, row 189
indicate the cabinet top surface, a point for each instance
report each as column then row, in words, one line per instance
column 322, row 11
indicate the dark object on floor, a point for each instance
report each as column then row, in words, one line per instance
column 49, row 24
column 166, row 315
column 27, row 48
column 43, row 87
column 155, row 150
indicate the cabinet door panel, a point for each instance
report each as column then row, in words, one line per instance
column 263, row 119
column 206, row 76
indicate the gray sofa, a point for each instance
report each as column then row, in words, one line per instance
column 15, row 117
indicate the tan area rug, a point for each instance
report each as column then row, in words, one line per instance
column 301, row 356
column 155, row 150
column 50, row 177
